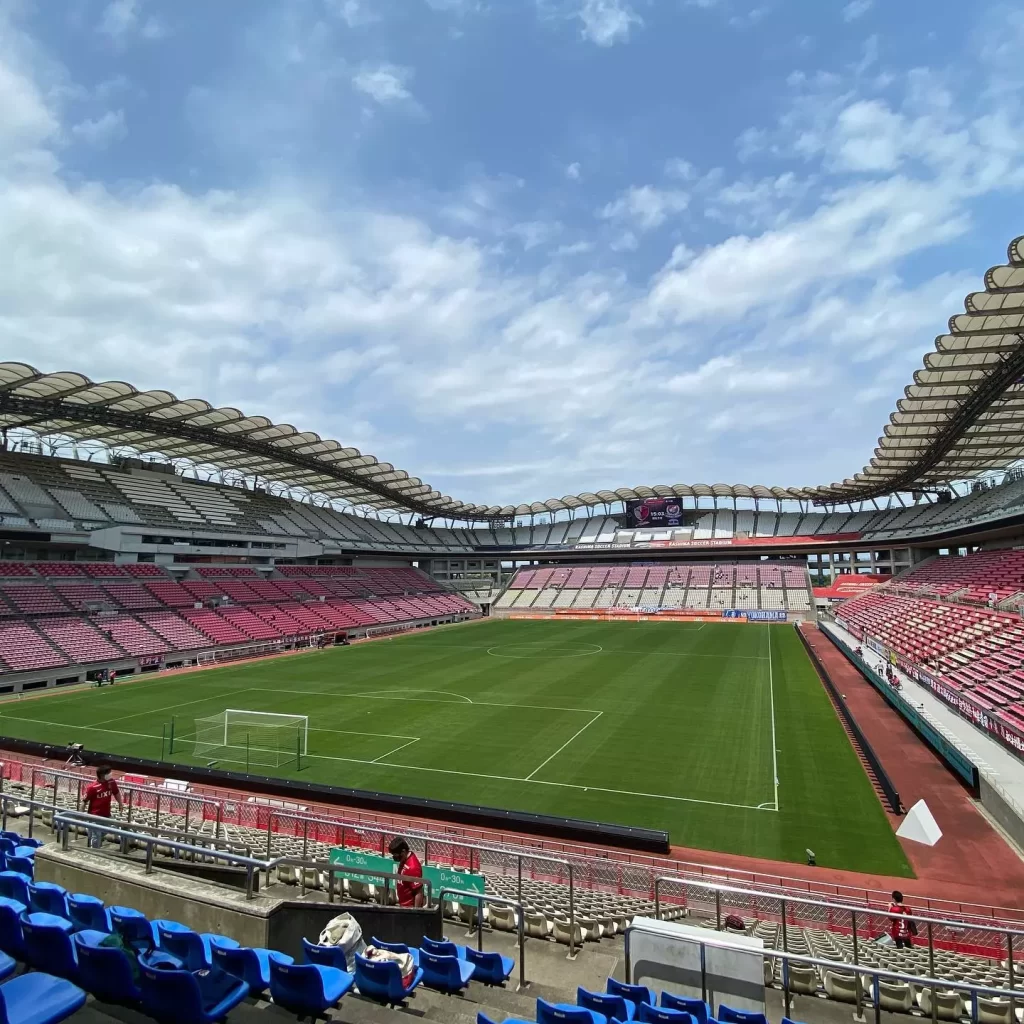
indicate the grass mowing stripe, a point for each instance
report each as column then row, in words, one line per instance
column 677, row 721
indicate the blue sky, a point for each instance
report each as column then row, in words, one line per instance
column 519, row 249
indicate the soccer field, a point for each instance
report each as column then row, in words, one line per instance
column 720, row 733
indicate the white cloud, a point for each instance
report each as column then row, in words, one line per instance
column 573, row 172
column 101, row 131
column 122, row 19
column 354, row 13
column 645, row 206
column 681, row 169
column 856, row 9
column 384, row 83
column 604, row 23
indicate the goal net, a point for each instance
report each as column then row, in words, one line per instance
column 252, row 737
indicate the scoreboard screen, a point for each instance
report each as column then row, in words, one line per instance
column 655, row 512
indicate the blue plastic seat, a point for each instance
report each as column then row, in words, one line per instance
column 48, row 945
column 38, row 999
column 105, row 971
column 134, row 927
column 635, row 994
column 491, row 968
column 727, row 1015
column 444, row 948
column 190, row 947
column 445, row 973
column 662, row 1015
column 567, row 1013
column 7, row 845
column 87, row 911
column 7, row 966
column 22, row 864
column 697, row 1008
column 325, row 956
column 12, row 938
column 252, row 965
column 398, row 947
column 20, row 840
column 14, row 885
column 482, row 1018
column 173, row 996
column 381, row 980
column 308, row 989
column 48, row 898
column 613, row 1007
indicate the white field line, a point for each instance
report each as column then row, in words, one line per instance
column 606, row 652
column 529, row 778
column 771, row 697
column 402, row 746
column 440, row 771
column 172, row 707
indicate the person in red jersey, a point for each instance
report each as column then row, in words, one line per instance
column 901, row 928
column 410, row 894
column 98, row 795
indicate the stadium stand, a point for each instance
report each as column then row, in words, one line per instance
column 711, row 587
column 594, row 911
column 54, row 615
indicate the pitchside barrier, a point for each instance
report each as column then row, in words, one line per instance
column 703, row 891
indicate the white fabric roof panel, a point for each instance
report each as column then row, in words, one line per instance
column 962, row 415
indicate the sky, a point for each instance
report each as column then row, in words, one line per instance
column 518, row 248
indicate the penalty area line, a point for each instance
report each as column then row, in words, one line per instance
column 379, row 760
column 529, row 778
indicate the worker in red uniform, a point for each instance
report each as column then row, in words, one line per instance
column 901, row 928
column 410, row 894
column 98, row 795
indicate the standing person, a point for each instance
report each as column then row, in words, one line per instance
column 901, row 928
column 410, row 894
column 98, row 795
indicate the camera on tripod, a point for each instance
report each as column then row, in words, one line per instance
column 75, row 752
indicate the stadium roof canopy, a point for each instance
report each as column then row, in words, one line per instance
column 962, row 416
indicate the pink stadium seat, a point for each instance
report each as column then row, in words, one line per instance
column 129, row 633
column 181, row 635
column 23, row 649
column 79, row 640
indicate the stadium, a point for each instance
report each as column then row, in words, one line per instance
column 378, row 640
column 693, row 702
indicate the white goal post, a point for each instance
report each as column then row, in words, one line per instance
column 252, row 737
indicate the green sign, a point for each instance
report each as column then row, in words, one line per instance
column 352, row 860
column 446, row 878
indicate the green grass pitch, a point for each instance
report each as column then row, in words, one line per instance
column 679, row 726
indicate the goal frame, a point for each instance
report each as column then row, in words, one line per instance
column 282, row 719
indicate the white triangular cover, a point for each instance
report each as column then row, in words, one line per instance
column 920, row 825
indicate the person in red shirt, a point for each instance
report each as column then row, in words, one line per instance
column 410, row 894
column 901, row 928
column 98, row 795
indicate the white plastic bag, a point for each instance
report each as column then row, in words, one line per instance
column 344, row 931
column 404, row 961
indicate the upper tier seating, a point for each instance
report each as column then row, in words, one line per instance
column 980, row 577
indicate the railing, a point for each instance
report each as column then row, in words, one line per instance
column 67, row 822
column 578, row 866
column 876, row 974
column 484, row 899
column 477, row 858
column 841, row 917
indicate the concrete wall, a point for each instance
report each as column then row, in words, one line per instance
column 121, row 882
column 1007, row 814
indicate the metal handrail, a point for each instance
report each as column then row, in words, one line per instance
column 427, row 839
column 847, row 907
column 199, row 838
column 63, row 825
column 65, row 821
column 857, row 970
column 483, row 898
column 333, row 869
